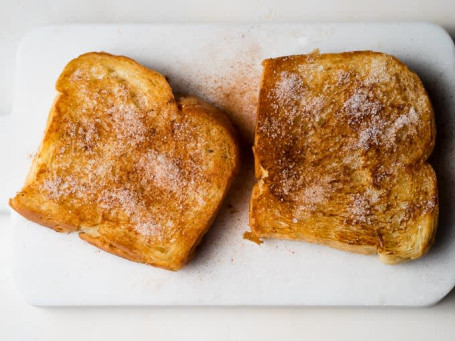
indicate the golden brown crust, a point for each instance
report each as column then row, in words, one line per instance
column 39, row 217
column 340, row 149
column 141, row 174
column 103, row 244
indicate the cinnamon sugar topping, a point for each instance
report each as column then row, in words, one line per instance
column 336, row 131
column 118, row 158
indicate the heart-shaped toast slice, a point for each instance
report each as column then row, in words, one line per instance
column 140, row 173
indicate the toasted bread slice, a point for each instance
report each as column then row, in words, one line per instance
column 340, row 155
column 140, row 174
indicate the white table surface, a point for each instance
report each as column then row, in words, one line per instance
column 19, row 321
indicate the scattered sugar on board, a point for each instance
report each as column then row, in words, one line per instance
column 231, row 82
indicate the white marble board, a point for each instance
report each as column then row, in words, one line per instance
column 222, row 64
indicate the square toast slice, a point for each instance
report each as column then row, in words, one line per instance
column 340, row 150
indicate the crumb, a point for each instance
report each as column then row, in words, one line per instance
column 252, row 237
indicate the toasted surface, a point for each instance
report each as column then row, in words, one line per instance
column 340, row 155
column 140, row 174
